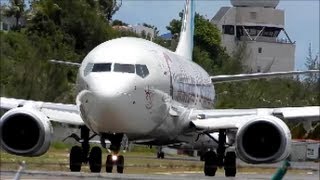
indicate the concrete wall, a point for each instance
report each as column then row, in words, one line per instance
column 273, row 57
column 255, row 3
column 251, row 16
column 259, row 16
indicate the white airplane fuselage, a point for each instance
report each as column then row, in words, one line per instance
column 140, row 106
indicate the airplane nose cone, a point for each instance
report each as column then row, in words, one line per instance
column 104, row 103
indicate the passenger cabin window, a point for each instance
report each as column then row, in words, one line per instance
column 101, row 67
column 124, row 68
column 142, row 70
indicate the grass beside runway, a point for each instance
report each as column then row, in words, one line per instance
column 141, row 160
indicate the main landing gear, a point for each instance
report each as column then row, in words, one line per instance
column 80, row 155
column 213, row 160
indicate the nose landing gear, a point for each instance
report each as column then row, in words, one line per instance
column 79, row 155
column 114, row 158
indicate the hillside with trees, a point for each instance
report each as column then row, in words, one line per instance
column 68, row 30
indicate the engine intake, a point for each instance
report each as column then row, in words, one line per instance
column 263, row 141
column 25, row 131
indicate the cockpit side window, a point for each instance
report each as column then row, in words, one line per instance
column 142, row 70
column 101, row 67
column 88, row 69
column 124, row 68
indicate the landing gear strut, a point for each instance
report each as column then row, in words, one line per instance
column 79, row 155
column 220, row 159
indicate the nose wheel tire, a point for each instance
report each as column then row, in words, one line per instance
column 210, row 163
column 230, row 164
column 109, row 164
column 120, row 164
column 160, row 155
column 75, row 159
column 95, row 160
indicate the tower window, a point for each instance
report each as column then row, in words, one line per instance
column 228, row 29
column 260, row 49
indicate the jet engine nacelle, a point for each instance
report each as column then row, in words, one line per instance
column 263, row 140
column 25, row 132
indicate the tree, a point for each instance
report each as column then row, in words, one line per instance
column 58, row 29
column 312, row 63
column 47, row 10
column 143, row 34
column 155, row 29
column 109, row 7
column 118, row 22
column 175, row 25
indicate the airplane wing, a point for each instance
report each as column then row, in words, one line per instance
column 244, row 77
column 212, row 120
column 62, row 113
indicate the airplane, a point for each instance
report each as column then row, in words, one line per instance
column 134, row 88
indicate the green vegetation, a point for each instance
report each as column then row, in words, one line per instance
column 68, row 30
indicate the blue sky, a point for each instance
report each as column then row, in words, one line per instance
column 301, row 18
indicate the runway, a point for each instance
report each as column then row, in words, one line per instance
column 26, row 175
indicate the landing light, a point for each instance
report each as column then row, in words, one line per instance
column 114, row 158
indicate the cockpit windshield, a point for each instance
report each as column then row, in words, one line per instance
column 101, row 67
column 139, row 69
column 124, row 68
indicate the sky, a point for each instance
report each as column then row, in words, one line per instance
column 301, row 18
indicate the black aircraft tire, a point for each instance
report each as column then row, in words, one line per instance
column 75, row 159
column 120, row 164
column 162, row 155
column 109, row 164
column 210, row 163
column 230, row 168
column 95, row 161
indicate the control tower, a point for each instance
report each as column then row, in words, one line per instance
column 261, row 28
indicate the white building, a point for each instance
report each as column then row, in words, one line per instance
column 261, row 28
